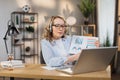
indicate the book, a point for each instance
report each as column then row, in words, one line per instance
column 81, row 42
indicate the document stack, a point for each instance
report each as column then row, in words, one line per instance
column 14, row 63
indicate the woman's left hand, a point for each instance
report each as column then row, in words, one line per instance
column 97, row 44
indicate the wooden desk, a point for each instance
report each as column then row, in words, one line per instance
column 35, row 71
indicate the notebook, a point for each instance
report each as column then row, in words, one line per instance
column 92, row 59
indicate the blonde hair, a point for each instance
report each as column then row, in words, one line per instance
column 48, row 34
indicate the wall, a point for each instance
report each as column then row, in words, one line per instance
column 6, row 8
column 45, row 8
column 119, row 8
column 106, row 14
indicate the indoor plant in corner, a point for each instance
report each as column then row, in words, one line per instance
column 30, row 30
column 86, row 7
column 107, row 42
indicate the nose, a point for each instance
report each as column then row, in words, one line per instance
column 61, row 28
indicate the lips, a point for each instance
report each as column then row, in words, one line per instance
column 60, row 32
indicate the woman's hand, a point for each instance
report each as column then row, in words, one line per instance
column 73, row 57
column 97, row 44
column 76, row 56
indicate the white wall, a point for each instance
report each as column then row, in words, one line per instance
column 45, row 8
column 106, row 14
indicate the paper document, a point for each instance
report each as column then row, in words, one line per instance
column 14, row 63
column 49, row 68
column 80, row 42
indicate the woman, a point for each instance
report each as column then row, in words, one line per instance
column 55, row 45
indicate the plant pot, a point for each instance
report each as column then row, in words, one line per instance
column 29, row 35
column 86, row 21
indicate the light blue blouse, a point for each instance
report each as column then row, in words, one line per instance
column 53, row 54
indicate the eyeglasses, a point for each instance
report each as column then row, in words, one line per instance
column 59, row 26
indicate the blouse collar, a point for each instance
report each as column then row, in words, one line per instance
column 55, row 41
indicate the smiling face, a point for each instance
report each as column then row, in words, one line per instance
column 58, row 28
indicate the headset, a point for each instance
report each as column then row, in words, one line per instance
column 50, row 25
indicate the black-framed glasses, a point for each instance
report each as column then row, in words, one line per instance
column 59, row 26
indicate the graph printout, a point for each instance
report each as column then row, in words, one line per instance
column 80, row 42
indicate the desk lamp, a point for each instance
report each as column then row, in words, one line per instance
column 11, row 31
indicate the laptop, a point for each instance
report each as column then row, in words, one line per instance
column 93, row 59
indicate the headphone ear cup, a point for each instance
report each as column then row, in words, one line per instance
column 50, row 27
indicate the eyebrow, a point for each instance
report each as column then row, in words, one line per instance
column 59, row 24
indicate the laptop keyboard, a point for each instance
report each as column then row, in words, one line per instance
column 64, row 66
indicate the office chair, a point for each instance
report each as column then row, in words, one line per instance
column 41, row 58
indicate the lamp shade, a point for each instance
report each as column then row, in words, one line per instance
column 13, row 30
column 71, row 20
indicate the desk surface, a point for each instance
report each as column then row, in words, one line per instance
column 35, row 71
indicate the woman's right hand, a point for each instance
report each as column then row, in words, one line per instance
column 73, row 57
column 76, row 56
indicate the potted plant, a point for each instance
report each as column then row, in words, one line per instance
column 107, row 41
column 86, row 7
column 30, row 30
